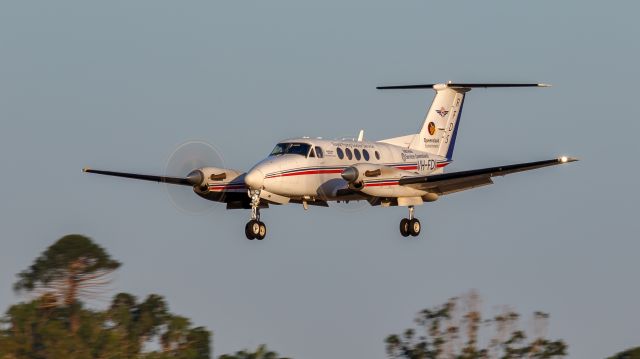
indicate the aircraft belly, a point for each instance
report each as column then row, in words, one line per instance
column 391, row 189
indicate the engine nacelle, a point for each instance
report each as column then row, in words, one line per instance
column 382, row 181
column 203, row 178
column 430, row 197
column 358, row 173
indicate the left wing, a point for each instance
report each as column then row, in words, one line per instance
column 447, row 183
column 192, row 179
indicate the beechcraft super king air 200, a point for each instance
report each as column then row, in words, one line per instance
column 402, row 171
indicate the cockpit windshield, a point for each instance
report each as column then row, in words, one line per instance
column 291, row 148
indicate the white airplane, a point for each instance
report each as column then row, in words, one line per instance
column 401, row 171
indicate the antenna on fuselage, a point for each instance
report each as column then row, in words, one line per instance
column 361, row 136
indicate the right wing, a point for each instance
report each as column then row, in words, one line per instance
column 447, row 183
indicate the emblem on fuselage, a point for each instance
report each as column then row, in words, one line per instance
column 442, row 111
column 431, row 128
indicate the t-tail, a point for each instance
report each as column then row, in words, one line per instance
column 440, row 128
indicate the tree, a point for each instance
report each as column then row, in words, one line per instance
column 633, row 353
column 31, row 330
column 452, row 330
column 72, row 267
column 63, row 275
column 261, row 353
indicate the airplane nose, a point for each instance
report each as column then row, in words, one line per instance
column 254, row 179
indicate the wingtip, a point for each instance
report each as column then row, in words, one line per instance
column 85, row 169
column 567, row 159
column 544, row 85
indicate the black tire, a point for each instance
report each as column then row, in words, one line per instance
column 414, row 227
column 262, row 232
column 404, row 227
column 248, row 230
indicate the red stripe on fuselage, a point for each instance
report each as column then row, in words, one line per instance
column 339, row 170
column 307, row 172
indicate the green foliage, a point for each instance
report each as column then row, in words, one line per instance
column 71, row 267
column 48, row 327
column 57, row 325
column 260, row 353
column 447, row 332
column 31, row 330
column 633, row 353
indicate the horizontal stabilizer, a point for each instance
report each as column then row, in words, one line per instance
column 458, row 85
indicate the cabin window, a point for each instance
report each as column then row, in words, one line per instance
column 365, row 154
column 291, row 148
column 377, row 155
column 348, row 152
column 340, row 153
column 319, row 152
column 356, row 153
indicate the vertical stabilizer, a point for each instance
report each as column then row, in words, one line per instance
column 440, row 127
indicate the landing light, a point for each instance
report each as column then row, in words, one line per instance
column 564, row 159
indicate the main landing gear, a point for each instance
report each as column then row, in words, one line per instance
column 410, row 226
column 255, row 229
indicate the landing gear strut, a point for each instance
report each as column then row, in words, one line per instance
column 410, row 226
column 255, row 229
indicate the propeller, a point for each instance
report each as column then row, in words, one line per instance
column 185, row 161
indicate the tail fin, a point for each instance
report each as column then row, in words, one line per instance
column 440, row 127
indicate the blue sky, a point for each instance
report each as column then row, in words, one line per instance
column 120, row 84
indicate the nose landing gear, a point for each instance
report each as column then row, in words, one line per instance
column 255, row 229
column 410, row 226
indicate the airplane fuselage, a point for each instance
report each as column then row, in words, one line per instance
column 312, row 171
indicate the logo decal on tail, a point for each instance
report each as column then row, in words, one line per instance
column 431, row 128
column 442, row 111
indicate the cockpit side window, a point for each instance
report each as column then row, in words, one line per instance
column 312, row 153
column 279, row 149
column 291, row 148
column 319, row 152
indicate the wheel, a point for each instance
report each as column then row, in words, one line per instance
column 404, row 227
column 262, row 231
column 247, row 231
column 414, row 227
column 252, row 229
column 255, row 229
